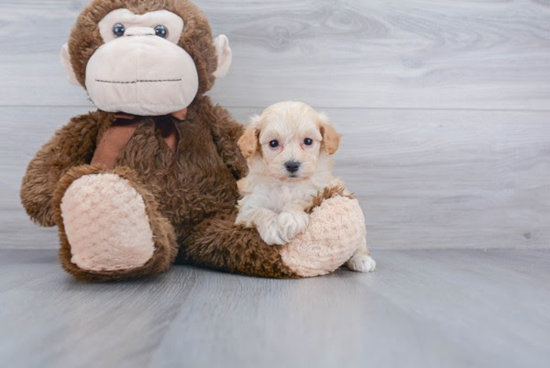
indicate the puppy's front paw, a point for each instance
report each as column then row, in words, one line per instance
column 361, row 262
column 271, row 235
column 292, row 224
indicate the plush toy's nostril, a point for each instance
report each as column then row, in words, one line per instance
column 292, row 166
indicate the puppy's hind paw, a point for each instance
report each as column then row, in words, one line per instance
column 361, row 262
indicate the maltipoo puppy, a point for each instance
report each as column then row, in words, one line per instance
column 289, row 150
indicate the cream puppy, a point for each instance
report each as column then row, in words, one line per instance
column 289, row 150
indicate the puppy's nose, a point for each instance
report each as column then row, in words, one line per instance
column 292, row 166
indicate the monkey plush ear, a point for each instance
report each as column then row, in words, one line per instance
column 67, row 66
column 225, row 56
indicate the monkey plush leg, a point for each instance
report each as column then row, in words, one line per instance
column 219, row 243
column 335, row 231
column 110, row 227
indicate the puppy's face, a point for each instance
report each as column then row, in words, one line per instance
column 288, row 140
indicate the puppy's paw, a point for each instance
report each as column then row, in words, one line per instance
column 271, row 235
column 292, row 224
column 361, row 262
column 301, row 220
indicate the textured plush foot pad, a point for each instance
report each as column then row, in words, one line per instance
column 106, row 224
column 336, row 230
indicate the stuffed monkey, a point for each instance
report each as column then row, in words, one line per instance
column 149, row 179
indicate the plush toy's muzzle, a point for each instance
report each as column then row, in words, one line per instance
column 141, row 74
column 141, row 62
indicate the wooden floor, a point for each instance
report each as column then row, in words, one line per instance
column 464, row 308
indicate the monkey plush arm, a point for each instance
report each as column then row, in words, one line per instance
column 71, row 146
column 226, row 132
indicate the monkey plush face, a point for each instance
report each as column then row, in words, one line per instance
column 144, row 57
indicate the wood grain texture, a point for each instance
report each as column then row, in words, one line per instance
column 455, row 170
column 491, row 54
column 445, row 110
column 440, row 309
column 425, row 179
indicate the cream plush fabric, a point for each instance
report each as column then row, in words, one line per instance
column 98, row 210
column 123, row 74
column 335, row 231
column 133, row 82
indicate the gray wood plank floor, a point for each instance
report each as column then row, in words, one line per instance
column 464, row 308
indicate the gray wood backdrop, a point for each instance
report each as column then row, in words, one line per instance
column 444, row 106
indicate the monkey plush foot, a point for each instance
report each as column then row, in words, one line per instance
column 106, row 224
column 335, row 232
column 111, row 229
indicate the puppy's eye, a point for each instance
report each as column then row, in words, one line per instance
column 161, row 31
column 119, row 29
column 308, row 141
column 274, row 144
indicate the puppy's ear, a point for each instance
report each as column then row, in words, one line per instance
column 331, row 138
column 248, row 143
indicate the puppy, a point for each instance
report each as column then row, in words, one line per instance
column 289, row 150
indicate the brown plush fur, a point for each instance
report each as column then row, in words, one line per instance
column 71, row 146
column 326, row 194
column 190, row 194
column 220, row 244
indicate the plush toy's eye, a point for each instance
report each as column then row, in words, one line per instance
column 119, row 29
column 161, row 31
column 308, row 141
column 274, row 144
